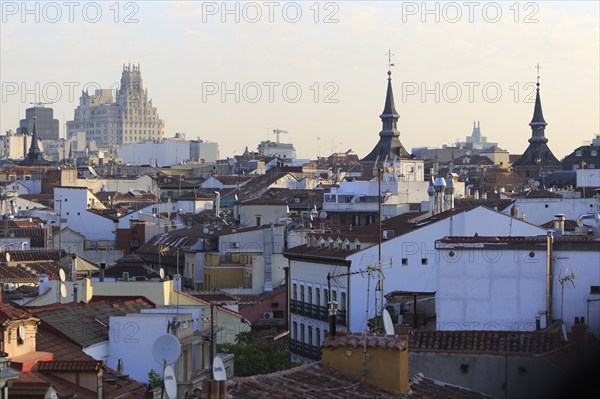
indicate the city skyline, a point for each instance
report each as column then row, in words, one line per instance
column 454, row 63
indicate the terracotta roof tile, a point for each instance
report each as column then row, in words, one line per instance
column 69, row 365
column 515, row 342
column 345, row 339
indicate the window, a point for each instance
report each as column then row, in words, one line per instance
column 594, row 153
column 294, row 292
column 404, row 261
column 301, row 332
column 318, row 340
column 309, row 295
column 595, row 289
column 310, row 335
column 301, row 293
column 343, row 300
column 424, row 261
column 545, row 205
column 358, row 247
column 578, row 153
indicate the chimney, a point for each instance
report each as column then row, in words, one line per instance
column 102, row 267
column 332, row 306
column 177, row 282
column 43, row 283
column 559, row 224
column 125, row 276
column 385, row 364
column 578, row 333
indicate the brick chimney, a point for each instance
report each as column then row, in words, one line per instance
column 386, row 364
column 578, row 333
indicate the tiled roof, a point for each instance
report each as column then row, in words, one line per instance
column 29, row 272
column 317, row 381
column 263, row 200
column 215, row 296
column 33, row 255
column 485, row 341
column 537, row 194
column 86, row 324
column 9, row 313
column 357, row 340
column 69, row 365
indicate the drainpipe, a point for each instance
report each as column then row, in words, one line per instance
column 549, row 275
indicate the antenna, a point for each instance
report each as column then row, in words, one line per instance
column 169, row 382
column 563, row 277
column 41, row 104
column 166, row 349
column 218, row 368
column 21, row 333
column 388, row 326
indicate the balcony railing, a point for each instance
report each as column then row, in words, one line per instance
column 316, row 312
column 304, row 349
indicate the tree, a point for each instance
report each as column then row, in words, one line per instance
column 253, row 359
column 154, row 379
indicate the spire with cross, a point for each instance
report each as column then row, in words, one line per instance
column 390, row 65
column 538, row 67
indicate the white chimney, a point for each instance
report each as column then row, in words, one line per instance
column 177, row 280
column 43, row 283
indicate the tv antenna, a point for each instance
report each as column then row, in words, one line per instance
column 41, row 104
column 565, row 277
column 166, row 350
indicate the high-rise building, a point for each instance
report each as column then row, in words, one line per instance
column 129, row 118
column 46, row 125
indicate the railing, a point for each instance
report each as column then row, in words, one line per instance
column 316, row 312
column 304, row 349
column 101, row 245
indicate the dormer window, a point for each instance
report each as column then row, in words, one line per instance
column 578, row 153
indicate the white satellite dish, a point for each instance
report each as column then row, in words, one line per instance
column 63, row 291
column 323, row 214
column 7, row 257
column 62, row 275
column 170, row 382
column 388, row 326
column 21, row 332
column 161, row 273
column 219, row 372
column 166, row 349
column 205, row 230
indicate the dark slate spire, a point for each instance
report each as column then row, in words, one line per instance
column 538, row 154
column 389, row 144
column 34, row 156
column 389, row 116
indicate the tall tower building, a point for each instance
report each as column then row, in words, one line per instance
column 47, row 126
column 537, row 158
column 128, row 118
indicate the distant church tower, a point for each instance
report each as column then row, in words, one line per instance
column 537, row 158
column 389, row 145
column 35, row 156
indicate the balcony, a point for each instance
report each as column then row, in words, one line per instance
column 304, row 349
column 316, row 312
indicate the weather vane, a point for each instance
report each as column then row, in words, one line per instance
column 390, row 65
column 538, row 67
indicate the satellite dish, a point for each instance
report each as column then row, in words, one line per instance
column 63, row 291
column 7, row 257
column 219, row 372
column 323, row 214
column 161, row 273
column 536, row 183
column 166, row 349
column 205, row 230
column 388, row 326
column 21, row 332
column 169, row 382
column 61, row 274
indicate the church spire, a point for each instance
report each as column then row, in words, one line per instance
column 34, row 149
column 389, row 116
column 538, row 124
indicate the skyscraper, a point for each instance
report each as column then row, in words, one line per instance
column 130, row 118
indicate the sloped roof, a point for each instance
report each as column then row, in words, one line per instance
column 84, row 323
column 499, row 342
column 317, row 381
column 344, row 339
column 9, row 313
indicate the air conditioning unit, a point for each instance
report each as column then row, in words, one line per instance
column 388, row 234
column 268, row 315
column 235, row 245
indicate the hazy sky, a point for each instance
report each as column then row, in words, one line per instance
column 231, row 72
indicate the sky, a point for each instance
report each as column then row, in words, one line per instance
column 232, row 72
